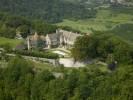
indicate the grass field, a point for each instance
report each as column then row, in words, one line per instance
column 105, row 20
column 12, row 42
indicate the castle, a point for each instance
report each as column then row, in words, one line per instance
column 61, row 38
column 119, row 1
column 35, row 41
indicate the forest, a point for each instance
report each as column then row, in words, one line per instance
column 106, row 47
column 20, row 81
column 10, row 25
column 48, row 10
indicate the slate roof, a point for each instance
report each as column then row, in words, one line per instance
column 54, row 36
column 70, row 36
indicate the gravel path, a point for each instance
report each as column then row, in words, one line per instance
column 69, row 62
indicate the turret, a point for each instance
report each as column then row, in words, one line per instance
column 28, row 43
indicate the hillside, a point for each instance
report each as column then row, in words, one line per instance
column 53, row 10
column 107, row 20
column 83, row 15
column 48, row 10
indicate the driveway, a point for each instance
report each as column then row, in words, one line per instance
column 69, row 62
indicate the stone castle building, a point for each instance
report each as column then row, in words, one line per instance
column 61, row 38
column 119, row 1
column 35, row 41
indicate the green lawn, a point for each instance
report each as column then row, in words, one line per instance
column 12, row 42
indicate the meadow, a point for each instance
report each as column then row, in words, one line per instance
column 12, row 42
column 104, row 20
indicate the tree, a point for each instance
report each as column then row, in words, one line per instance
column 41, row 86
column 102, row 45
column 7, row 32
column 24, row 30
column 16, row 75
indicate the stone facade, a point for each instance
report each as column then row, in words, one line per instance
column 35, row 41
column 119, row 1
column 61, row 38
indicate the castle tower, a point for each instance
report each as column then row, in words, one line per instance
column 28, row 43
column 36, row 36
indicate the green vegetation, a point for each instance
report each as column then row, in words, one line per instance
column 40, row 54
column 10, row 25
column 12, row 42
column 43, row 66
column 105, row 20
column 106, row 47
column 53, row 11
column 125, row 31
column 20, row 81
column 117, row 21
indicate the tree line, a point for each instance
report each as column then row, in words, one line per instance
column 10, row 25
